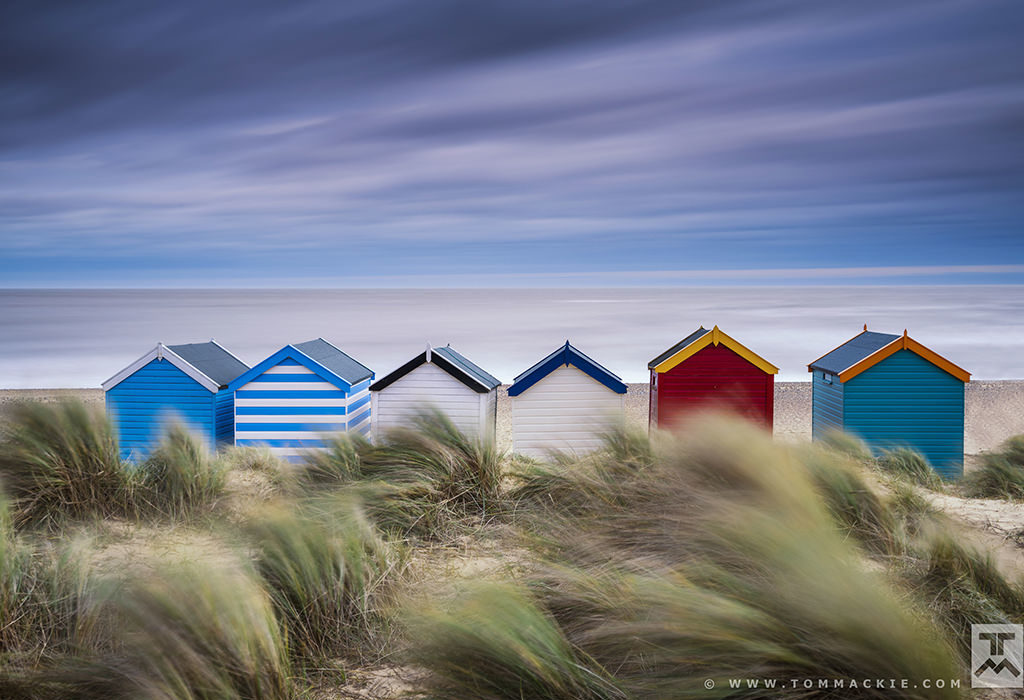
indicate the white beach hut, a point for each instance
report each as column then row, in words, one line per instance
column 563, row 403
column 444, row 379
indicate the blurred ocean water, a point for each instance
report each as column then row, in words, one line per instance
column 78, row 338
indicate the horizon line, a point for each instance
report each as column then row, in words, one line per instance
column 859, row 276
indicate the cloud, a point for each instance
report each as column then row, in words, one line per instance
column 535, row 136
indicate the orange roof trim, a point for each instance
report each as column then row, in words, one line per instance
column 905, row 342
column 717, row 337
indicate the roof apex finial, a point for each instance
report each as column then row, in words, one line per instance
column 428, row 351
column 904, row 332
column 865, row 326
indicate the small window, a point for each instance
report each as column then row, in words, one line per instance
column 827, row 377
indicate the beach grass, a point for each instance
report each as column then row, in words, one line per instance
column 180, row 477
column 1001, row 474
column 327, row 571
column 909, row 464
column 61, row 461
column 719, row 555
column 637, row 571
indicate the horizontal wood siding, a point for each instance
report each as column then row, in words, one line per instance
column 224, row 417
column 289, row 409
column 566, row 410
column 826, row 405
column 715, row 378
column 142, row 405
column 905, row 400
column 428, row 385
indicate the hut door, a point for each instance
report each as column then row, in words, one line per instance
column 653, row 401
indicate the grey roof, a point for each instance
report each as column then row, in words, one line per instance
column 468, row 367
column 212, row 360
column 685, row 342
column 335, row 360
column 853, row 351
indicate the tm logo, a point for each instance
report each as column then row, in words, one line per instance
column 997, row 656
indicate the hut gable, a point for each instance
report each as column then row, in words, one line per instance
column 711, row 370
column 564, row 402
column 444, row 379
column 292, row 400
column 891, row 391
column 449, row 361
column 700, row 339
column 187, row 383
column 566, row 356
column 208, row 364
column 867, row 349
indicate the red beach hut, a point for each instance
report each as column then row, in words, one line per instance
column 710, row 370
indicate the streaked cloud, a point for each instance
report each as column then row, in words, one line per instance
column 647, row 141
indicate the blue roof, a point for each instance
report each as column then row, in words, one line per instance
column 853, row 351
column 320, row 357
column 565, row 356
column 212, row 360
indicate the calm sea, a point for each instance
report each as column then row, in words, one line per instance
column 78, row 338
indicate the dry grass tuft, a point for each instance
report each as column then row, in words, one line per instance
column 60, row 461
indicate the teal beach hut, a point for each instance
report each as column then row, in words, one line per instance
column 891, row 391
column 186, row 383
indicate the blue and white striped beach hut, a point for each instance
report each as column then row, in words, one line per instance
column 187, row 383
column 293, row 399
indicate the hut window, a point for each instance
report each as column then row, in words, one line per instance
column 827, row 377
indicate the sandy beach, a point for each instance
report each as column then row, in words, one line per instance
column 995, row 409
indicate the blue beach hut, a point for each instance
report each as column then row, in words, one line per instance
column 891, row 391
column 294, row 398
column 188, row 383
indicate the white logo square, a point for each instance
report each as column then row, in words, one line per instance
column 997, row 656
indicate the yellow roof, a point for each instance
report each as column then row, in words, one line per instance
column 716, row 337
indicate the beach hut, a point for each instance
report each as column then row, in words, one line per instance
column 563, row 403
column 188, row 383
column 290, row 401
column 891, row 391
column 442, row 378
column 710, row 370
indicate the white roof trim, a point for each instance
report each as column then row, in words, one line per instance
column 247, row 368
column 174, row 358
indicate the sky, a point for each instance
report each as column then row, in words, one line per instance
column 530, row 143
